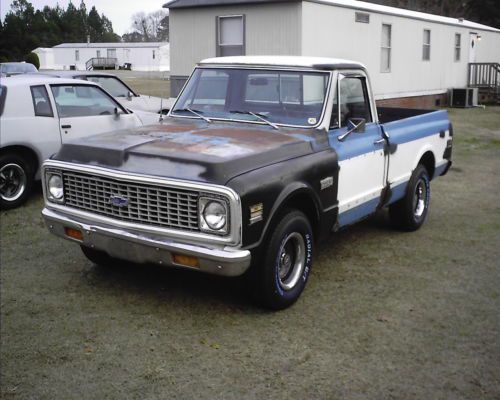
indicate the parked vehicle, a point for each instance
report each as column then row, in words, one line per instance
column 16, row 68
column 37, row 115
column 259, row 159
column 120, row 91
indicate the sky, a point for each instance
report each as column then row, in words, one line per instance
column 118, row 11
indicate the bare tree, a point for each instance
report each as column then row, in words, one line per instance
column 149, row 26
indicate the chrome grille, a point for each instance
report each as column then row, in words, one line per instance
column 147, row 203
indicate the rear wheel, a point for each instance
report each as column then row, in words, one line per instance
column 16, row 180
column 410, row 212
column 281, row 273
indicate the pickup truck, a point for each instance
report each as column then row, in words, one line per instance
column 258, row 160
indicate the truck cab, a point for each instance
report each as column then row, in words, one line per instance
column 258, row 160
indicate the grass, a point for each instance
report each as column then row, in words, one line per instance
column 386, row 315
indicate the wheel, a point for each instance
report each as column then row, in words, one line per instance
column 280, row 275
column 410, row 212
column 16, row 180
column 98, row 257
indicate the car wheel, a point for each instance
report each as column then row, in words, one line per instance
column 410, row 212
column 98, row 257
column 281, row 274
column 16, row 181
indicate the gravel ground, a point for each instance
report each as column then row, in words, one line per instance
column 386, row 315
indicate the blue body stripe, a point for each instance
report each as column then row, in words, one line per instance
column 414, row 128
column 401, row 131
column 355, row 144
column 439, row 170
column 355, row 214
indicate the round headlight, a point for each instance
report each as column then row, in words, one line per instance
column 55, row 187
column 215, row 215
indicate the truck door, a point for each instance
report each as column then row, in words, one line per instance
column 86, row 110
column 360, row 151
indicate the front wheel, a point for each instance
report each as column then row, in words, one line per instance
column 282, row 272
column 410, row 212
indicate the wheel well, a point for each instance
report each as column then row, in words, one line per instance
column 28, row 154
column 429, row 162
column 304, row 202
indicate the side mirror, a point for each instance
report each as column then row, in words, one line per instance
column 130, row 95
column 117, row 112
column 353, row 125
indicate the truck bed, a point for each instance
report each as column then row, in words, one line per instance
column 391, row 114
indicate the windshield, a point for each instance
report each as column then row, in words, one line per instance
column 111, row 84
column 18, row 68
column 280, row 97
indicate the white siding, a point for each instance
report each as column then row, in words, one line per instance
column 331, row 31
column 270, row 29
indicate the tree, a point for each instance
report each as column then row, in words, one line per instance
column 32, row 58
column 150, row 27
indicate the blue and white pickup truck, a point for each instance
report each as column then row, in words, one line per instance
column 259, row 158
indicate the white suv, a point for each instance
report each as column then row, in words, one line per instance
column 38, row 114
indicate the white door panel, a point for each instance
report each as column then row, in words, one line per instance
column 77, row 127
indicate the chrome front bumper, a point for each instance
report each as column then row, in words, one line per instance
column 140, row 247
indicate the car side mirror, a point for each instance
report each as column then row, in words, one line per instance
column 353, row 125
column 130, row 95
column 117, row 112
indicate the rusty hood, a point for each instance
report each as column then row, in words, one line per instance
column 192, row 149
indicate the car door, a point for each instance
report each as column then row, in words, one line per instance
column 360, row 153
column 86, row 110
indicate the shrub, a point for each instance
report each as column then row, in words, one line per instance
column 33, row 59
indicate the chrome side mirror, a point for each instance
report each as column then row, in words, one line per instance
column 353, row 125
column 130, row 95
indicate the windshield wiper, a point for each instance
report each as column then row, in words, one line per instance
column 195, row 112
column 256, row 115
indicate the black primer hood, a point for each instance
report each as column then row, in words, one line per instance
column 192, row 149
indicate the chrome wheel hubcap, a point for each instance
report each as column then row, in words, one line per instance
column 291, row 260
column 12, row 182
column 420, row 198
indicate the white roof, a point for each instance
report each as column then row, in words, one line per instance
column 285, row 61
column 37, row 79
column 112, row 45
column 370, row 7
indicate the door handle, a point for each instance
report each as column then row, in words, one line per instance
column 66, row 126
column 380, row 141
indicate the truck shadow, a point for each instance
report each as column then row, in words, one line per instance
column 185, row 289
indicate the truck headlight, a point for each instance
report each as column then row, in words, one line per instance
column 55, row 187
column 214, row 216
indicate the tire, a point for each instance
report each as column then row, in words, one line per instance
column 410, row 212
column 16, row 180
column 98, row 257
column 280, row 274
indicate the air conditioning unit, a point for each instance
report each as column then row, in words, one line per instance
column 463, row 97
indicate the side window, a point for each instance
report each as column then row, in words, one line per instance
column 354, row 102
column 82, row 101
column 113, row 85
column 41, row 102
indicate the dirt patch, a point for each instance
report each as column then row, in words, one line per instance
column 386, row 315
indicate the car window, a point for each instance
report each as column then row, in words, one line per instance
column 82, row 101
column 353, row 102
column 3, row 95
column 111, row 84
column 41, row 102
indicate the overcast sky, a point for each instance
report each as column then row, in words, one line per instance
column 118, row 11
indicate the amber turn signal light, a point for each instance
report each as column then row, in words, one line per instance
column 188, row 261
column 74, row 234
